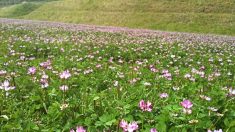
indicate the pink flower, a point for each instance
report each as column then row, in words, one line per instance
column 128, row 127
column 6, row 86
column 46, row 64
column 79, row 129
column 31, row 70
column 166, row 74
column 65, row 74
column 111, row 59
column 149, row 106
column 153, row 130
column 98, row 66
column 142, row 104
column 145, row 106
column 153, row 69
column 62, row 49
column 163, row 95
column 123, row 124
column 186, row 104
column 220, row 130
column 132, row 126
column 44, row 83
column 202, row 68
column 3, row 72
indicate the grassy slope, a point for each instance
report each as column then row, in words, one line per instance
column 206, row 16
column 19, row 10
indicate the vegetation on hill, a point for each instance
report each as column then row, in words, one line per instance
column 204, row 16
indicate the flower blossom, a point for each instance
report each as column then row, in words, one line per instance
column 3, row 72
column 65, row 74
column 187, row 106
column 163, row 95
column 231, row 92
column 44, row 81
column 31, row 70
column 78, row 129
column 153, row 130
column 64, row 88
column 166, row 74
column 6, row 86
column 220, row 130
column 128, row 127
column 145, row 106
column 46, row 64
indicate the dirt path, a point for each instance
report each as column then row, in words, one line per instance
column 166, row 36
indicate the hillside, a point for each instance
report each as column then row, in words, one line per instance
column 203, row 16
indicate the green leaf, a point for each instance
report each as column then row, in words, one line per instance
column 232, row 124
column 161, row 126
column 109, row 123
column 98, row 123
column 226, row 122
column 96, row 98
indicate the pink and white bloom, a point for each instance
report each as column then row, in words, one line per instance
column 220, row 130
column 163, row 95
column 153, row 130
column 231, row 92
column 132, row 126
column 44, row 83
column 166, row 74
column 128, row 127
column 123, row 124
column 145, row 106
column 46, row 64
column 3, row 72
column 32, row 70
column 153, row 69
column 62, row 49
column 78, row 129
column 65, row 74
column 186, row 104
column 6, row 86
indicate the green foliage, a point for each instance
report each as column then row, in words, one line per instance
column 110, row 74
column 201, row 16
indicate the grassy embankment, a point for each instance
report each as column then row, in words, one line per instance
column 202, row 16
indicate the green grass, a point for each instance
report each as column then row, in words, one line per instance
column 19, row 10
column 202, row 16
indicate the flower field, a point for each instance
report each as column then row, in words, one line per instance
column 57, row 79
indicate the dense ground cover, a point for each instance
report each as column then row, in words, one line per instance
column 56, row 80
column 204, row 16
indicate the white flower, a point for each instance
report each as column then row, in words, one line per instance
column 147, row 84
column 6, row 86
column 64, row 88
column 115, row 83
column 212, row 109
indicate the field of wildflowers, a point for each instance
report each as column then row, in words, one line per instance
column 54, row 79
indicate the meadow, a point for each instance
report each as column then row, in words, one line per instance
column 52, row 79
